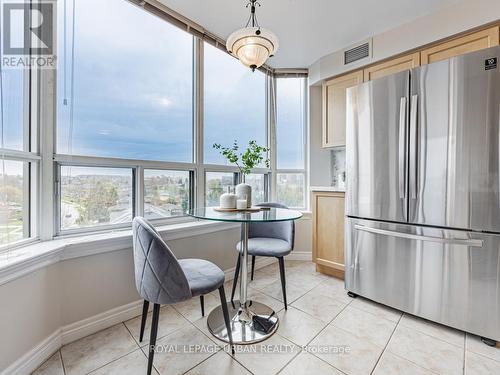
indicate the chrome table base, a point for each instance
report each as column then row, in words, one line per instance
column 242, row 326
column 243, row 312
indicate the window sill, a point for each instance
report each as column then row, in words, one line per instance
column 21, row 261
column 24, row 260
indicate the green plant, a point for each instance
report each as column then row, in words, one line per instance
column 252, row 157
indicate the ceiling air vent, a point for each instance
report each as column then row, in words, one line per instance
column 357, row 53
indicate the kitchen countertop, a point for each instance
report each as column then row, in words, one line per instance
column 326, row 188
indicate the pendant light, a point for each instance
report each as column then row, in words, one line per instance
column 252, row 45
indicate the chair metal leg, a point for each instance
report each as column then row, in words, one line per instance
column 145, row 307
column 235, row 279
column 202, row 303
column 225, row 312
column 282, row 276
column 253, row 267
column 152, row 340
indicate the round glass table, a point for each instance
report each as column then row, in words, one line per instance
column 251, row 321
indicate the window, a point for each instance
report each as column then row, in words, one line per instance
column 18, row 160
column 125, row 109
column 290, row 123
column 216, row 183
column 124, row 92
column 131, row 107
column 235, row 103
column 290, row 189
column 15, row 124
column 166, row 193
column 14, row 201
column 92, row 196
column 259, row 184
column 290, row 142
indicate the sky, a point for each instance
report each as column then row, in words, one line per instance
column 125, row 89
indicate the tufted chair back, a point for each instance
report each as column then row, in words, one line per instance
column 281, row 230
column 158, row 276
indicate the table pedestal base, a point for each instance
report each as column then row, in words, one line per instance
column 243, row 326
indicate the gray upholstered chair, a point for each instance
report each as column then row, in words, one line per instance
column 274, row 239
column 163, row 280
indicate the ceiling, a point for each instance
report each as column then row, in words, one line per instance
column 307, row 29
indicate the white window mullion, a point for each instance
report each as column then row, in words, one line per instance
column 271, row 103
column 199, row 195
column 139, row 191
column 46, row 130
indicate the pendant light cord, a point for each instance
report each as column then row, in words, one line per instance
column 253, row 17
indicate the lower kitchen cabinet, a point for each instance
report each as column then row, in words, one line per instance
column 328, row 232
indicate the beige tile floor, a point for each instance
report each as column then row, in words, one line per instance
column 322, row 332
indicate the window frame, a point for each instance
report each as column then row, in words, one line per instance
column 31, row 158
column 274, row 162
column 197, row 168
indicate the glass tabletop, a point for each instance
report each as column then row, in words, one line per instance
column 266, row 215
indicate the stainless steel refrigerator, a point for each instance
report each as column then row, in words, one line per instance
column 423, row 199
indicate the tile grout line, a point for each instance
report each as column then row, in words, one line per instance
column 325, row 327
column 291, row 359
column 114, row 360
column 429, row 335
column 465, row 357
column 130, row 333
column 379, row 317
column 404, row 358
column 386, row 344
column 120, row 357
column 206, row 359
column 62, row 362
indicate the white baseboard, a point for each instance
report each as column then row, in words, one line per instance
column 96, row 323
column 300, row 255
column 33, row 358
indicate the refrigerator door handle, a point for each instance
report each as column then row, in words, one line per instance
column 447, row 241
column 413, row 146
column 402, row 147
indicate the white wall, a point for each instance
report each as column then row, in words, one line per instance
column 36, row 305
column 449, row 21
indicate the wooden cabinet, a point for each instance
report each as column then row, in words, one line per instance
column 465, row 44
column 396, row 65
column 328, row 232
column 334, row 108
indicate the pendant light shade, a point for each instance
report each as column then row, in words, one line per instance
column 252, row 45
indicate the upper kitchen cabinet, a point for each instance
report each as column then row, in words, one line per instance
column 465, row 44
column 334, row 108
column 392, row 66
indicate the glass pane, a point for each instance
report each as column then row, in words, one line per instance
column 13, row 201
column 290, row 123
column 235, row 104
column 132, row 84
column 12, row 111
column 290, row 189
column 93, row 196
column 258, row 184
column 216, row 183
column 166, row 193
